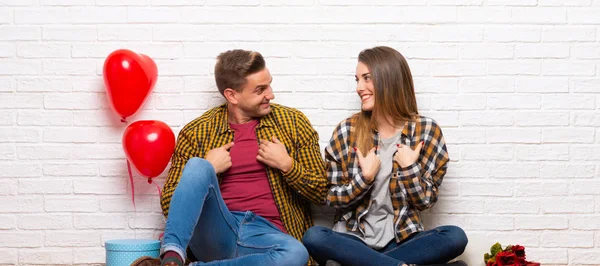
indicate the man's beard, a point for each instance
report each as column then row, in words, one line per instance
column 257, row 110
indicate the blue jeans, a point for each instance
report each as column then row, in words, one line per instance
column 199, row 219
column 429, row 247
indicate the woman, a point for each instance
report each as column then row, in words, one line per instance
column 385, row 164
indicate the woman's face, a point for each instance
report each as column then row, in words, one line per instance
column 364, row 87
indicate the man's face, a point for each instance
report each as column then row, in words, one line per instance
column 253, row 100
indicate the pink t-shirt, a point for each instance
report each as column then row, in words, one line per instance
column 245, row 186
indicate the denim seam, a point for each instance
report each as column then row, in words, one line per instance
column 240, row 230
column 240, row 233
column 200, row 215
column 211, row 187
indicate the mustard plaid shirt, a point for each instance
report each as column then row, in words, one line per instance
column 292, row 191
column 412, row 189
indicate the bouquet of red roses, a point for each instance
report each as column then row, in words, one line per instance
column 509, row 256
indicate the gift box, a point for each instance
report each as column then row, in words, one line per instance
column 122, row 252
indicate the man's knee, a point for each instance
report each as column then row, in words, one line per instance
column 198, row 163
column 315, row 235
column 292, row 253
column 198, row 171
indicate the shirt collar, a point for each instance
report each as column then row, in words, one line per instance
column 408, row 128
column 223, row 121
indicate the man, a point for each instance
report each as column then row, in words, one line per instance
column 242, row 176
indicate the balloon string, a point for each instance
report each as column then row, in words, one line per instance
column 150, row 181
column 132, row 185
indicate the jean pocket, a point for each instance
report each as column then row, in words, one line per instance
column 255, row 233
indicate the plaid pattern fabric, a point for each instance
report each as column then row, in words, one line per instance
column 292, row 191
column 412, row 189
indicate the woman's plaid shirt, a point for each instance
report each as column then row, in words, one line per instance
column 292, row 191
column 412, row 189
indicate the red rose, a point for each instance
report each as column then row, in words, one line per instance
column 519, row 251
column 506, row 258
column 492, row 263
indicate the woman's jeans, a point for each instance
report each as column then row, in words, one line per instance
column 200, row 220
column 438, row 245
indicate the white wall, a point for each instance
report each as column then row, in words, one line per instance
column 514, row 83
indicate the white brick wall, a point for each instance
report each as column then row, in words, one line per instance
column 514, row 84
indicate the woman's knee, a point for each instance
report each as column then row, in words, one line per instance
column 457, row 237
column 315, row 235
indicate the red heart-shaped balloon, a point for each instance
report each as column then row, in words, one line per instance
column 149, row 145
column 129, row 78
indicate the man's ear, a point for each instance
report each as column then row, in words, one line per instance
column 230, row 95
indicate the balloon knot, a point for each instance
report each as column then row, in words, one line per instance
column 149, row 180
column 123, row 120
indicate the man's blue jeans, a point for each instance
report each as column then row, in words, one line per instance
column 200, row 220
column 438, row 245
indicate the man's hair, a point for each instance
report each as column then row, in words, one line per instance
column 234, row 66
